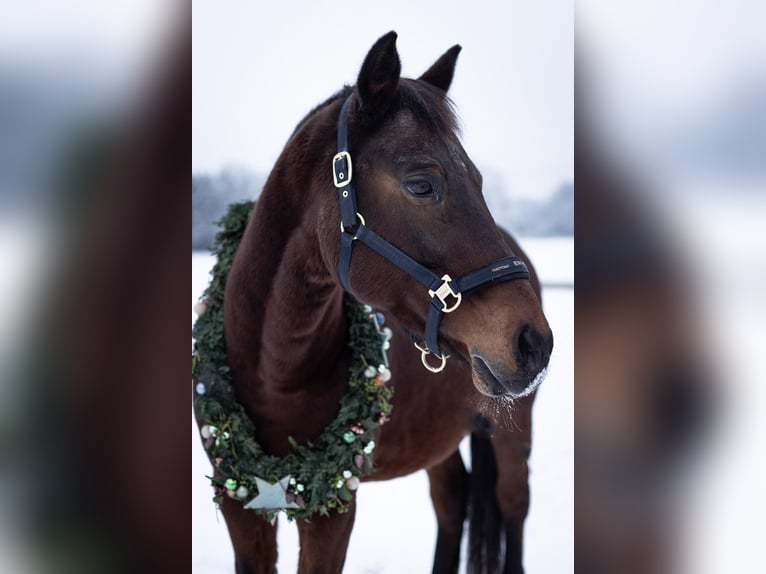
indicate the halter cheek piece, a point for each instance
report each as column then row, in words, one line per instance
column 445, row 292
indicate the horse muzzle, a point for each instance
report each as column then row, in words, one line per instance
column 495, row 377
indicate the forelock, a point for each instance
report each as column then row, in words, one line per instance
column 429, row 105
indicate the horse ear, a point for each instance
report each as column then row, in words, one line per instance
column 378, row 78
column 441, row 72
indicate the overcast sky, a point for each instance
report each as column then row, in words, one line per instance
column 258, row 67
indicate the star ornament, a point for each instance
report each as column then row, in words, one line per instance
column 271, row 496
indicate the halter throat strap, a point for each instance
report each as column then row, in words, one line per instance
column 445, row 293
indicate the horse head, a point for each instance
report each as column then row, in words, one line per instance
column 418, row 189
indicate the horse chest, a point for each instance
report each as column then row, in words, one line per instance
column 431, row 414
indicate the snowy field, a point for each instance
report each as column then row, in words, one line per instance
column 384, row 542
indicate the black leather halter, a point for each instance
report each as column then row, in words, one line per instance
column 440, row 289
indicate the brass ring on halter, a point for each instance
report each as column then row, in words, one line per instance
column 424, row 352
column 359, row 216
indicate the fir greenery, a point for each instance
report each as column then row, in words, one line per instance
column 321, row 469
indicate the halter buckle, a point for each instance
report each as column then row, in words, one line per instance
column 424, row 352
column 445, row 290
column 341, row 169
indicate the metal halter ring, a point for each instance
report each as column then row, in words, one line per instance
column 359, row 216
column 424, row 352
column 443, row 291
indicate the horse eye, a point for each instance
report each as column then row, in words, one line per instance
column 419, row 187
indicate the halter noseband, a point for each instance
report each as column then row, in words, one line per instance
column 445, row 292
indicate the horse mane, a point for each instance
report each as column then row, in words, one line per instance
column 342, row 93
column 427, row 103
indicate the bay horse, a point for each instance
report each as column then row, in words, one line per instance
column 285, row 326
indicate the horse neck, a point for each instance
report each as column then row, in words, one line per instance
column 284, row 317
column 298, row 312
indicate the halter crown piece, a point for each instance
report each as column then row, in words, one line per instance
column 445, row 293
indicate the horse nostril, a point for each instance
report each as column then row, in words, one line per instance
column 526, row 343
column 532, row 350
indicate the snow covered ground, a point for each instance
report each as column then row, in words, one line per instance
column 384, row 542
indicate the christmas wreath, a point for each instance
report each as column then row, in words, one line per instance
column 317, row 477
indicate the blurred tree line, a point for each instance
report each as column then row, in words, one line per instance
column 550, row 217
column 212, row 193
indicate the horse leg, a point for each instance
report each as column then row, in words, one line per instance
column 449, row 493
column 512, row 448
column 253, row 538
column 324, row 542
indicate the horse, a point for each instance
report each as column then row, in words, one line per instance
column 285, row 326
